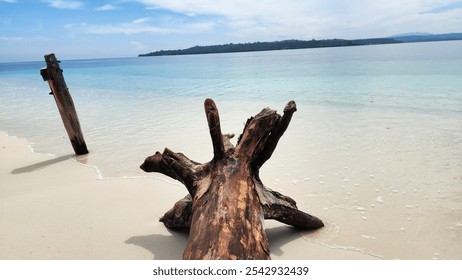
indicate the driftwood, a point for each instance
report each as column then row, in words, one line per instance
column 227, row 201
column 53, row 74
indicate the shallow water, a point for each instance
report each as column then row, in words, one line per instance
column 375, row 146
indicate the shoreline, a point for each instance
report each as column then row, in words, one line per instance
column 52, row 209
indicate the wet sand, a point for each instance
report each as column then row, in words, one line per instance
column 56, row 208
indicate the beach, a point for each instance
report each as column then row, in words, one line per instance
column 55, row 208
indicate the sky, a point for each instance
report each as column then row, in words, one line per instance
column 76, row 29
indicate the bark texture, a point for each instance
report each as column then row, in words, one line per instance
column 53, row 74
column 227, row 201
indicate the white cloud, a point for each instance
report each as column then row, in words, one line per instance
column 64, row 4
column 11, row 39
column 315, row 18
column 106, row 7
column 138, row 46
column 122, row 28
column 198, row 27
column 146, row 25
column 8, row 1
column 444, row 8
column 141, row 20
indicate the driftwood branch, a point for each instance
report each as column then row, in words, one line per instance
column 276, row 134
column 213, row 120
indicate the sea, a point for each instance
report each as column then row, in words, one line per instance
column 375, row 125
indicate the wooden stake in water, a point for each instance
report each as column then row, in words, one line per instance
column 54, row 76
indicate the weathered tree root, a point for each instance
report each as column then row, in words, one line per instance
column 227, row 200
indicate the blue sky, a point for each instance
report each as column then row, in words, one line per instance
column 76, row 29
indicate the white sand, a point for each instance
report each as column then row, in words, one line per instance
column 56, row 208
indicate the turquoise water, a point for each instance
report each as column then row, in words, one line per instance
column 131, row 107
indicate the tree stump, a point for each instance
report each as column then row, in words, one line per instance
column 227, row 201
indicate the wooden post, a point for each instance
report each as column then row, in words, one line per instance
column 54, row 76
column 227, row 201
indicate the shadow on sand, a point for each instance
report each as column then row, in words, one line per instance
column 162, row 247
column 40, row 165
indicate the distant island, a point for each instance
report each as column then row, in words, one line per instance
column 300, row 44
